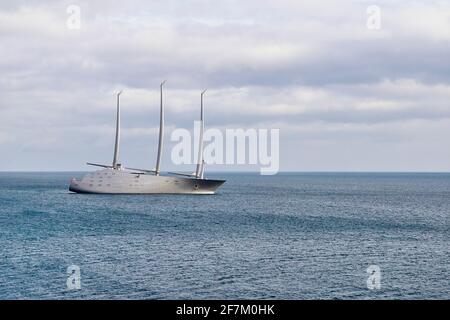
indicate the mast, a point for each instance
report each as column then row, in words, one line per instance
column 200, row 162
column 161, row 131
column 116, row 146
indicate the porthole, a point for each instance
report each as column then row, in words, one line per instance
column 196, row 186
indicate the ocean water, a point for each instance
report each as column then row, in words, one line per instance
column 289, row 236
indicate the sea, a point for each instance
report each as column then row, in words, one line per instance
column 287, row 236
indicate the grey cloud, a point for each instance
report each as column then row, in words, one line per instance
column 267, row 63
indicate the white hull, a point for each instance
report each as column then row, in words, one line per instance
column 112, row 181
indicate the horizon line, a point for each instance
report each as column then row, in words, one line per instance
column 244, row 171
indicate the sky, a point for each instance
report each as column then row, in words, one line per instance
column 346, row 96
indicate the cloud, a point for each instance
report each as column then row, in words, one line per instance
column 310, row 68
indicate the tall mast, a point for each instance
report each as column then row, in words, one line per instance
column 161, row 131
column 116, row 146
column 199, row 171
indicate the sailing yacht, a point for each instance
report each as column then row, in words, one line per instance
column 117, row 179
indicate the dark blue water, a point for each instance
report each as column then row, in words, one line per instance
column 290, row 236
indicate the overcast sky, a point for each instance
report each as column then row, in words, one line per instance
column 344, row 96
